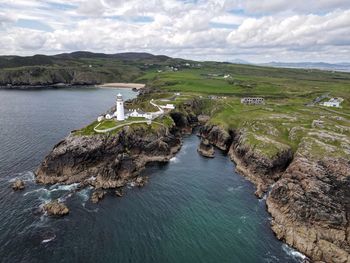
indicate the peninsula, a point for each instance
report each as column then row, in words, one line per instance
column 273, row 123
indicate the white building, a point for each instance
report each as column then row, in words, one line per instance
column 140, row 114
column 168, row 107
column 100, row 118
column 109, row 116
column 333, row 102
column 120, row 108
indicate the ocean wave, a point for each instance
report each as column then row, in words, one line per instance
column 84, row 195
column 27, row 176
column 64, row 187
column 49, row 239
column 64, row 197
column 293, row 253
column 174, row 160
column 42, row 189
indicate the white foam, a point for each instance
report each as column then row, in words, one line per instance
column 293, row 253
column 25, row 176
column 64, row 198
column 64, row 187
column 48, row 239
column 174, row 160
column 37, row 191
column 84, row 194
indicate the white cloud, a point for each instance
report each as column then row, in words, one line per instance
column 204, row 29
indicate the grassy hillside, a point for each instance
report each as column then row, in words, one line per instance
column 284, row 121
column 287, row 120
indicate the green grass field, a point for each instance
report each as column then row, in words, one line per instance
column 283, row 122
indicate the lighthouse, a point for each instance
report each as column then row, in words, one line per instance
column 120, row 108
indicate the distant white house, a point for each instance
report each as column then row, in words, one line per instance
column 252, row 100
column 109, row 116
column 227, row 76
column 333, row 102
column 177, row 93
column 168, row 107
column 100, row 118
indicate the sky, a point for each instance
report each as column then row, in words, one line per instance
column 222, row 30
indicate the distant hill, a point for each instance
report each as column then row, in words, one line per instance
column 77, row 68
column 128, row 56
column 311, row 65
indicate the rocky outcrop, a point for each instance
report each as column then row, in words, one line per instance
column 217, row 136
column 111, row 159
column 140, row 181
column 119, row 192
column 260, row 169
column 97, row 195
column 310, row 206
column 206, row 149
column 55, row 208
column 263, row 171
column 18, row 185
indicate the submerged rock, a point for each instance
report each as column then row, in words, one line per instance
column 97, row 195
column 141, row 181
column 55, row 208
column 206, row 149
column 18, row 185
column 119, row 192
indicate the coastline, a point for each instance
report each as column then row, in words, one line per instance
column 122, row 85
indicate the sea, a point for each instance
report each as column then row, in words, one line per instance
column 193, row 209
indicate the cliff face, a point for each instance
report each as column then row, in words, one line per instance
column 262, row 170
column 310, row 205
column 259, row 169
column 38, row 76
column 309, row 198
column 112, row 159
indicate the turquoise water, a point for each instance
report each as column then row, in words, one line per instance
column 192, row 210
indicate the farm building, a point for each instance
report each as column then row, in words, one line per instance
column 333, row 102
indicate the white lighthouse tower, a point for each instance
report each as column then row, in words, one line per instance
column 120, row 108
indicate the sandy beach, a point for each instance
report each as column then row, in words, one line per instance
column 122, row 85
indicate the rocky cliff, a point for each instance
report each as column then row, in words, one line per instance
column 38, row 76
column 309, row 197
column 310, row 206
column 110, row 159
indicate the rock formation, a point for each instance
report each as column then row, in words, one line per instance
column 119, row 192
column 97, row 195
column 310, row 205
column 206, row 149
column 310, row 195
column 112, row 159
column 18, row 185
column 55, row 208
